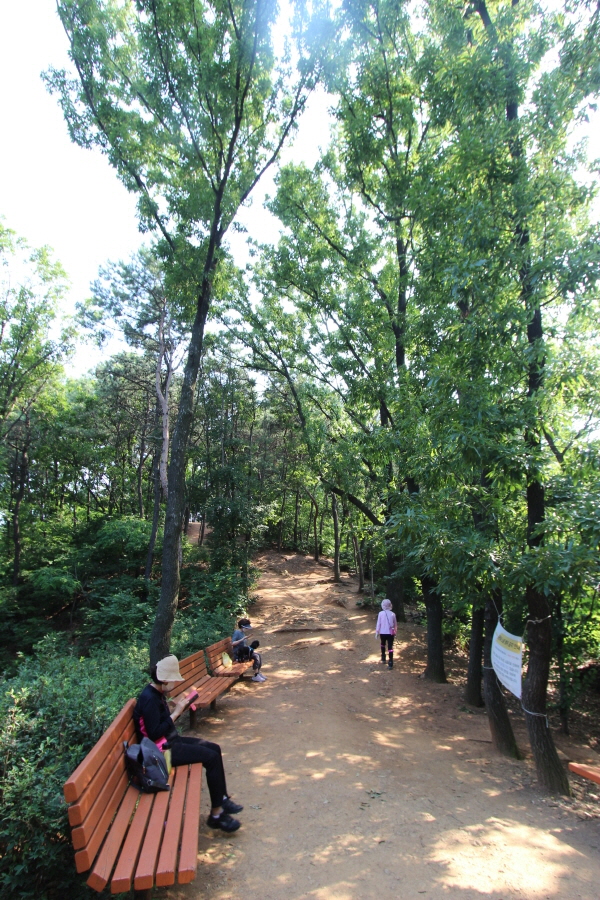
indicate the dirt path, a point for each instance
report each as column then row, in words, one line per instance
column 362, row 783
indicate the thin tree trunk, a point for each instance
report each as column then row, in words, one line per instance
column 155, row 515
column 296, row 521
column 563, row 691
column 359, row 565
column 23, row 472
column 281, row 515
column 551, row 774
column 336, row 540
column 473, row 694
column 203, row 526
column 435, row 645
column 160, row 638
column 503, row 738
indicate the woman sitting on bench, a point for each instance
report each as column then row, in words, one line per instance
column 153, row 719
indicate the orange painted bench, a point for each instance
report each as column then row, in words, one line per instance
column 215, row 661
column 129, row 839
column 195, row 674
column 592, row 773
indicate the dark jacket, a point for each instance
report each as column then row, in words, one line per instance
column 152, row 707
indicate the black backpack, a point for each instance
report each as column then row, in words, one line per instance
column 146, row 766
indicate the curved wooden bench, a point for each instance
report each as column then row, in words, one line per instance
column 125, row 837
column 215, row 661
column 132, row 839
column 592, row 773
column 195, row 674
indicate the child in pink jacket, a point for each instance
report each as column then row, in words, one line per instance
column 386, row 630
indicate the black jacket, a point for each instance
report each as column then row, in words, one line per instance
column 152, row 707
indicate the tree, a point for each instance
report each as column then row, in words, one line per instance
column 187, row 103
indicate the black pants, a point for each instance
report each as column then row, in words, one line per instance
column 185, row 750
column 390, row 642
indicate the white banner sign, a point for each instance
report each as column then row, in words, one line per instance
column 507, row 653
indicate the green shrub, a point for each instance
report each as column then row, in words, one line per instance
column 119, row 617
column 51, row 714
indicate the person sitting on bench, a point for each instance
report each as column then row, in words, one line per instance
column 243, row 652
column 153, row 719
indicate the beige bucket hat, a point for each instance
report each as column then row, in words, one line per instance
column 167, row 669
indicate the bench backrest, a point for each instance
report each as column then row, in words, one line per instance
column 96, row 788
column 215, row 653
column 194, row 671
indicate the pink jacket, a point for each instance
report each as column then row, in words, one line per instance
column 386, row 622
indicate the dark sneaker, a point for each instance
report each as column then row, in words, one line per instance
column 229, row 806
column 224, row 822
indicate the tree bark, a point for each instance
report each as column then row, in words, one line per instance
column 296, row 521
column 336, row 539
column 160, row 638
column 155, row 510
column 435, row 645
column 473, row 694
column 550, row 771
column 23, row 473
column 503, row 738
column 281, row 517
column 359, row 565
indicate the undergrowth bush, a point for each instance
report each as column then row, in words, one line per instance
column 51, row 713
column 58, row 705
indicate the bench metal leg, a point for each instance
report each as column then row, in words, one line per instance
column 143, row 895
column 213, row 704
column 193, row 718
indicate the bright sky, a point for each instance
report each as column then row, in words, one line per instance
column 53, row 192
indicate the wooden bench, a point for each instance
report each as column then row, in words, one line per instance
column 215, row 661
column 592, row 773
column 132, row 839
column 195, row 674
column 125, row 837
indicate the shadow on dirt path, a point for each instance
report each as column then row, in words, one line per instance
column 360, row 782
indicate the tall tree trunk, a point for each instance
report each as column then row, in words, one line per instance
column 474, row 670
column 503, row 737
column 296, row 521
column 359, row 564
column 281, row 516
column 140, row 472
column 22, row 476
column 563, row 686
column 202, row 527
column 322, row 519
column 160, row 638
column 336, row 539
column 155, row 515
column 434, row 670
column 551, row 774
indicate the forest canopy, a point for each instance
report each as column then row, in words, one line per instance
column 407, row 380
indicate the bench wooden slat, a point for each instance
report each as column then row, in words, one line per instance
column 123, row 874
column 190, row 661
column 188, row 856
column 144, row 873
column 85, row 858
column 83, row 774
column 103, row 866
column 215, row 660
column 592, row 773
column 165, row 870
column 78, row 811
column 83, row 833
